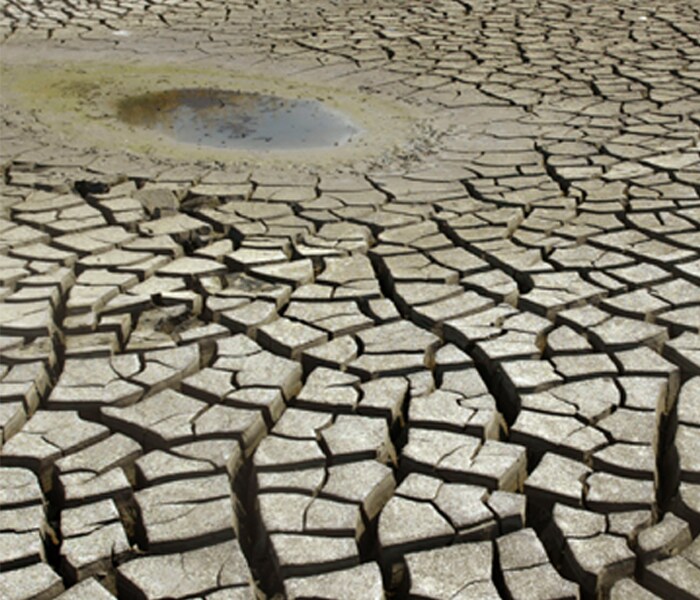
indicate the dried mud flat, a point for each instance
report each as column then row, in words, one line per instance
column 458, row 357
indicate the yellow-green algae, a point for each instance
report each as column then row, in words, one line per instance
column 80, row 102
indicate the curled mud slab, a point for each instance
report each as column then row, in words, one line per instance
column 456, row 357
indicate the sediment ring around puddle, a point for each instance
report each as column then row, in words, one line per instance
column 98, row 105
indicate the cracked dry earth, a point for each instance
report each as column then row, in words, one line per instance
column 464, row 366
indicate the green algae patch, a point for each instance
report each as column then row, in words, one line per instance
column 109, row 105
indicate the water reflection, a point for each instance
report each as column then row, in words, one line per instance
column 227, row 119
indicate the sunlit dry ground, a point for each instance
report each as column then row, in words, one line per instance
column 458, row 357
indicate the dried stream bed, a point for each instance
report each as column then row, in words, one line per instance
column 457, row 356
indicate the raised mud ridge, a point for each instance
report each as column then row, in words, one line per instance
column 459, row 362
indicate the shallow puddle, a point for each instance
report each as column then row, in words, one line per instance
column 226, row 119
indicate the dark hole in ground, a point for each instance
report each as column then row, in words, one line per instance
column 229, row 119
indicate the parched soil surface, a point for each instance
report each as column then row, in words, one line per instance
column 456, row 358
